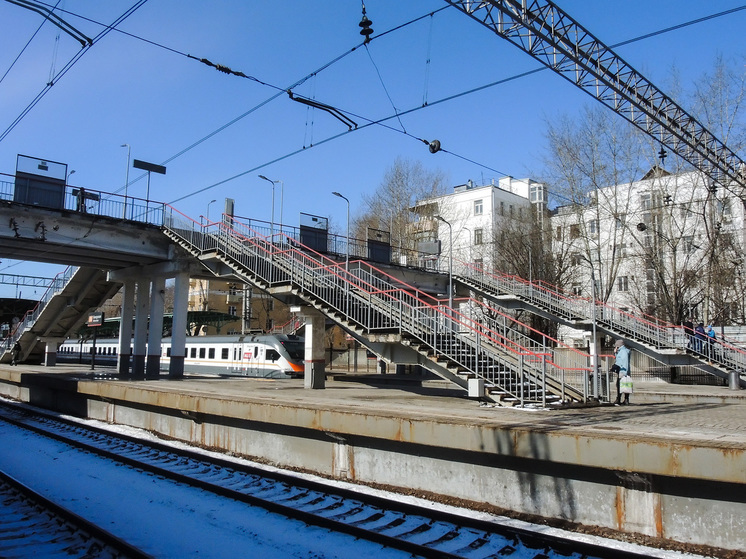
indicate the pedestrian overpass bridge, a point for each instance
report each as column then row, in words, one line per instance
column 399, row 312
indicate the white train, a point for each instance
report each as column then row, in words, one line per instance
column 264, row 356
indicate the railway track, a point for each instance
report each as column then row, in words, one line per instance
column 416, row 530
column 33, row 526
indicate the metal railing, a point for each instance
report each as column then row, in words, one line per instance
column 654, row 333
column 367, row 299
column 55, row 286
column 99, row 203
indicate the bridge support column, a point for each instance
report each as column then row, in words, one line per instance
column 125, row 327
column 315, row 374
column 178, row 331
column 50, row 352
column 141, row 327
column 155, row 327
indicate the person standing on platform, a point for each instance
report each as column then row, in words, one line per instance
column 16, row 353
column 621, row 367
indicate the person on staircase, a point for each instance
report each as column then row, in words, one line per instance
column 622, row 368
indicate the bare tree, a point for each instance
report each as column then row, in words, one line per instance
column 387, row 207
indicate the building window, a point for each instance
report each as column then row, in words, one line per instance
column 646, row 201
column 593, row 227
column 577, row 289
column 232, row 310
column 502, row 208
column 574, row 231
column 623, row 283
column 478, row 207
column 477, row 236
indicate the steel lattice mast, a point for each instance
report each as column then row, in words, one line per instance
column 552, row 37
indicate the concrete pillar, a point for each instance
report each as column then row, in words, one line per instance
column 315, row 375
column 125, row 327
column 178, row 333
column 50, row 352
column 155, row 329
column 141, row 327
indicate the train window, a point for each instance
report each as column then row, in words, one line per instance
column 168, row 352
column 256, row 352
column 194, row 352
column 202, row 353
column 272, row 355
column 296, row 349
column 211, row 353
column 224, row 353
column 114, row 351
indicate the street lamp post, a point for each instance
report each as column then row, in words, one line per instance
column 126, row 179
column 272, row 222
column 450, row 261
column 208, row 210
column 347, row 246
column 594, row 347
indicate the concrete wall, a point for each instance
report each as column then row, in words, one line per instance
column 614, row 481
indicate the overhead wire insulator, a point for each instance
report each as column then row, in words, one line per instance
column 365, row 26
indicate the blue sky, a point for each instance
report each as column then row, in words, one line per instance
column 128, row 90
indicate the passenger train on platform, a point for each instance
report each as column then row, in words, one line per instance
column 261, row 356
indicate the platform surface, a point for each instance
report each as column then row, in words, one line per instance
column 696, row 415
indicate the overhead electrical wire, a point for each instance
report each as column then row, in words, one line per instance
column 381, row 121
column 69, row 65
column 428, row 104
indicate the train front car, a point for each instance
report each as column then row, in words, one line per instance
column 293, row 350
column 258, row 356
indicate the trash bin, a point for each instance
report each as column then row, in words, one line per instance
column 734, row 380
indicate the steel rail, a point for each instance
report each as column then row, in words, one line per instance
column 328, row 505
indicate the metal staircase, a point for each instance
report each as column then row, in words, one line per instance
column 373, row 305
column 660, row 338
column 61, row 310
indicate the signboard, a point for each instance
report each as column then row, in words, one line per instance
column 145, row 166
column 95, row 319
column 40, row 182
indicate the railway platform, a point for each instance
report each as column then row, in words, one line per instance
column 670, row 467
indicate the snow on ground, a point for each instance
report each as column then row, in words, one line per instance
column 177, row 521
column 164, row 518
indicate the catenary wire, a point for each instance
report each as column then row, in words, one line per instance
column 381, row 121
column 69, row 65
column 436, row 102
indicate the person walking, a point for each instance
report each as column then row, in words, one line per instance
column 711, row 341
column 16, row 353
column 621, row 367
column 700, row 337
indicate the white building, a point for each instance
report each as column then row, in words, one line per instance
column 667, row 245
column 471, row 215
column 671, row 246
